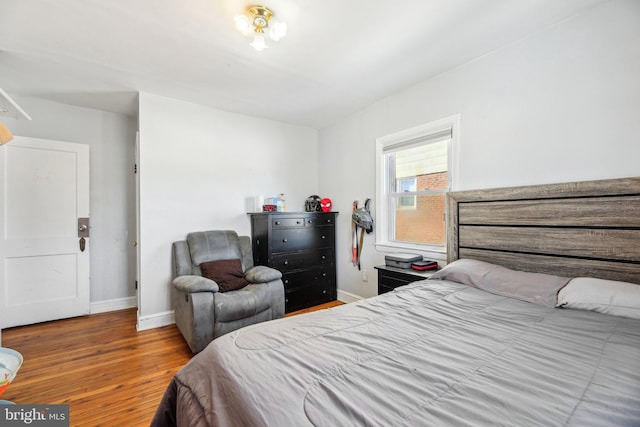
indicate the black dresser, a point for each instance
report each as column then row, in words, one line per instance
column 302, row 246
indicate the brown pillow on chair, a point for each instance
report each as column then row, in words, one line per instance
column 227, row 273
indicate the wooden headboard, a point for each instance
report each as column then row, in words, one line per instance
column 589, row 228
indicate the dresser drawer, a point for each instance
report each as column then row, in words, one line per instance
column 304, row 278
column 320, row 220
column 390, row 278
column 303, row 259
column 306, row 296
column 295, row 239
column 287, row 222
column 393, row 282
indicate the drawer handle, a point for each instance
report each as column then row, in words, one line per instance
column 310, row 221
column 323, row 236
column 297, row 222
column 329, row 221
column 324, row 291
column 277, row 222
column 284, row 240
column 286, row 281
column 286, row 262
column 324, row 274
column 324, row 257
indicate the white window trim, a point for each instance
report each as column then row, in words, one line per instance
column 383, row 242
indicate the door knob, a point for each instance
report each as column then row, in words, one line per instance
column 83, row 227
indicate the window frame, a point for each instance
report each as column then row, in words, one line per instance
column 383, row 205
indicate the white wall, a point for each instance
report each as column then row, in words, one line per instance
column 198, row 166
column 111, row 138
column 561, row 105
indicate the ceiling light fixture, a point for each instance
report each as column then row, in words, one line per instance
column 258, row 20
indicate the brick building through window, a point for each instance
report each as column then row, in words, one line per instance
column 424, row 221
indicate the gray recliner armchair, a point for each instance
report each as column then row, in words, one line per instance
column 203, row 312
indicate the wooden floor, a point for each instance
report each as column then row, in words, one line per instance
column 108, row 373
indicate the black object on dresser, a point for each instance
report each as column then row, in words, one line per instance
column 390, row 278
column 302, row 246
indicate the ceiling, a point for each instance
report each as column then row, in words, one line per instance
column 338, row 57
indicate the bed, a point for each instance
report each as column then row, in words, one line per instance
column 534, row 321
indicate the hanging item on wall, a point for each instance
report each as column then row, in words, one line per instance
column 360, row 218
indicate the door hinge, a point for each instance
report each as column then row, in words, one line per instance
column 136, row 284
column 135, row 168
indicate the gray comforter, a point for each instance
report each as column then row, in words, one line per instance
column 433, row 353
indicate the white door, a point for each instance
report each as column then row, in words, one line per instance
column 44, row 189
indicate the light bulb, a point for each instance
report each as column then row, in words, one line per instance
column 242, row 24
column 278, row 30
column 258, row 42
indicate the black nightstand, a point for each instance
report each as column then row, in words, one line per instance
column 390, row 278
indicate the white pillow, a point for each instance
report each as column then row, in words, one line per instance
column 604, row 296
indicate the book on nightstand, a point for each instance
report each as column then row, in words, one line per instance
column 424, row 265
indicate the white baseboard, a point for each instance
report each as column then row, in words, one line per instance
column 156, row 320
column 168, row 317
column 112, row 305
column 348, row 296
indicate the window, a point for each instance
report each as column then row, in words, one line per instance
column 407, row 185
column 413, row 176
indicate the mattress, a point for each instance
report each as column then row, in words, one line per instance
column 431, row 353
